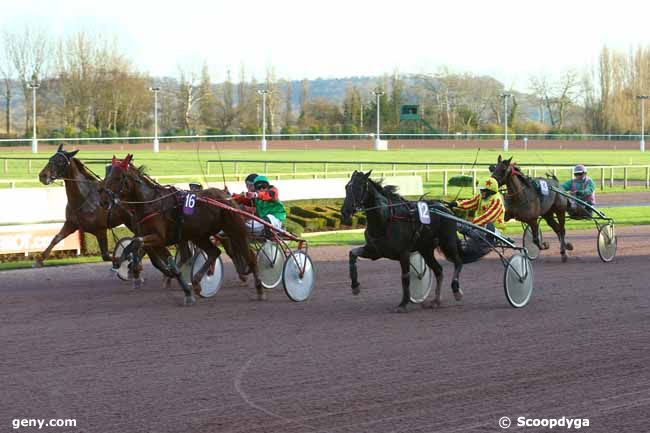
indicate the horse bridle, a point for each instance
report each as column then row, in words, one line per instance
column 67, row 159
column 115, row 196
column 356, row 205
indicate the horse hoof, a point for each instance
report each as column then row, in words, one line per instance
column 189, row 300
column 243, row 278
column 356, row 289
column 167, row 283
column 401, row 309
column 564, row 258
column 431, row 304
column 37, row 264
column 545, row 246
column 458, row 296
column 137, row 282
column 569, row 246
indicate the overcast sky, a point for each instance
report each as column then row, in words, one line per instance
column 510, row 40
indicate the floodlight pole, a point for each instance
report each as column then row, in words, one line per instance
column 642, row 143
column 505, row 97
column 156, row 143
column 263, row 92
column 378, row 93
column 34, row 85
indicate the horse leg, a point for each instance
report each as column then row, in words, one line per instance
column 432, row 263
column 158, row 258
column 213, row 254
column 355, row 253
column 559, row 231
column 405, row 264
column 451, row 250
column 102, row 240
column 154, row 240
column 561, row 219
column 67, row 229
column 534, row 226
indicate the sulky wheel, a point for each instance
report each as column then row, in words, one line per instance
column 606, row 242
column 420, row 278
column 531, row 247
column 518, row 280
column 186, row 266
column 123, row 271
column 298, row 276
column 270, row 263
column 212, row 279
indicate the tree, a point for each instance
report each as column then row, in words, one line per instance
column 208, row 100
column 7, row 71
column 556, row 97
column 225, row 105
column 28, row 52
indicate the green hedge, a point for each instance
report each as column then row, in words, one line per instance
column 460, row 180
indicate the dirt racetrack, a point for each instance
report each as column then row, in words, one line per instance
column 78, row 344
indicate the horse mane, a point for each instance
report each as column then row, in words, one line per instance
column 84, row 170
column 525, row 178
column 388, row 191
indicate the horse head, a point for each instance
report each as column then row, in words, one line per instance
column 501, row 170
column 356, row 191
column 117, row 185
column 57, row 166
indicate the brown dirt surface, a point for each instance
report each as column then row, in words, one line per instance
column 77, row 343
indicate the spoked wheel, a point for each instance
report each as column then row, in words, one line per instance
column 420, row 278
column 518, row 280
column 270, row 263
column 185, row 267
column 529, row 244
column 212, row 279
column 606, row 242
column 123, row 270
column 298, row 276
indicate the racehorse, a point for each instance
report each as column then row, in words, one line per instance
column 83, row 210
column 393, row 232
column 159, row 222
column 524, row 203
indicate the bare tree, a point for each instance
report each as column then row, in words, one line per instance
column 189, row 95
column 28, row 52
column 7, row 71
column 556, row 97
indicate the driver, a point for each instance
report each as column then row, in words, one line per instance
column 245, row 203
column 581, row 187
column 267, row 205
column 489, row 213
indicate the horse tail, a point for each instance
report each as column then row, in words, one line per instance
column 551, row 176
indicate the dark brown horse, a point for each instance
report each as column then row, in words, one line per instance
column 82, row 211
column 524, row 203
column 159, row 221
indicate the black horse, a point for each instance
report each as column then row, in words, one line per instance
column 393, row 231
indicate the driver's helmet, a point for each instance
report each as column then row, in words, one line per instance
column 194, row 186
column 260, row 181
column 490, row 184
column 579, row 169
column 251, row 178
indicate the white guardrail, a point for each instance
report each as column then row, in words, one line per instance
column 34, row 205
column 602, row 175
